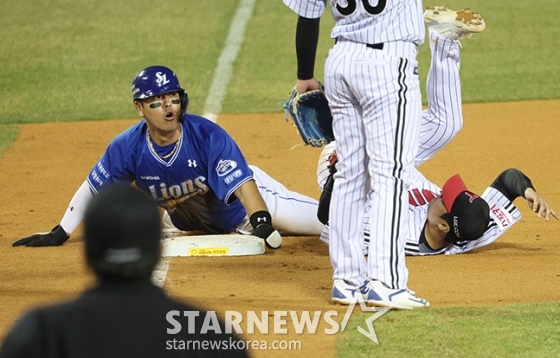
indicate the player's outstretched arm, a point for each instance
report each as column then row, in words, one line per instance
column 513, row 183
column 258, row 214
column 539, row 204
column 71, row 219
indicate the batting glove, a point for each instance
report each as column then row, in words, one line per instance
column 262, row 226
column 271, row 237
column 56, row 237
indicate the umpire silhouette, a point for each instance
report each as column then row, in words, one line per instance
column 124, row 314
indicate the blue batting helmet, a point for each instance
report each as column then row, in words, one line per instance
column 157, row 80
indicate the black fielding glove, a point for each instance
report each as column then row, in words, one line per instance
column 261, row 221
column 325, row 201
column 56, row 237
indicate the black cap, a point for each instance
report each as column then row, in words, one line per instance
column 122, row 232
column 471, row 213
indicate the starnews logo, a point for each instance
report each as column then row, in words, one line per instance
column 379, row 311
column 252, row 322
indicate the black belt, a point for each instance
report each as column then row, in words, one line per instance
column 378, row 46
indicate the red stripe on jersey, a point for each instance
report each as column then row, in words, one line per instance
column 417, row 198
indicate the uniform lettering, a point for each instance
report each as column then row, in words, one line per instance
column 102, row 170
column 153, row 191
column 503, row 218
column 175, row 191
column 351, row 7
column 179, row 192
column 188, row 186
column 149, row 177
column 164, row 192
column 201, row 187
column 230, row 178
column 95, row 178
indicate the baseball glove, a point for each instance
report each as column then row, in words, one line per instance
column 310, row 113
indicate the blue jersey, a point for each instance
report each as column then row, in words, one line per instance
column 195, row 184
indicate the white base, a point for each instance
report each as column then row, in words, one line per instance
column 213, row 245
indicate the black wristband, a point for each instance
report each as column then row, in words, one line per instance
column 59, row 235
column 260, row 217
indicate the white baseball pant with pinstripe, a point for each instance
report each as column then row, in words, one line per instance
column 374, row 96
column 375, row 99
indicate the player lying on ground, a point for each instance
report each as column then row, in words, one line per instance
column 454, row 220
column 194, row 170
column 434, row 227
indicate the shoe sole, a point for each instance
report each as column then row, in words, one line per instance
column 465, row 19
column 395, row 305
column 388, row 304
column 341, row 302
column 410, row 303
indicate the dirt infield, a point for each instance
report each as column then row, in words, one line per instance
column 48, row 162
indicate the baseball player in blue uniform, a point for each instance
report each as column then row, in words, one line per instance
column 192, row 168
column 373, row 90
column 452, row 219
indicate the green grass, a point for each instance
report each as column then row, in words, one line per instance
column 74, row 60
column 8, row 134
column 514, row 57
column 524, row 330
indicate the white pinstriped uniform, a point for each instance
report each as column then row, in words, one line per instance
column 374, row 96
column 443, row 118
column 503, row 214
column 441, row 121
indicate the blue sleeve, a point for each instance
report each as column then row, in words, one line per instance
column 227, row 167
column 116, row 164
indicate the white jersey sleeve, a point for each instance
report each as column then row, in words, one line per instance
column 503, row 214
column 306, row 8
column 76, row 209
